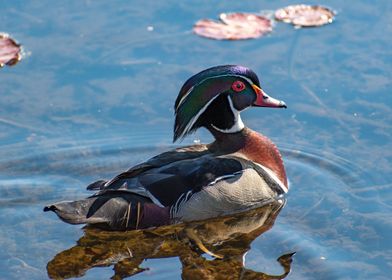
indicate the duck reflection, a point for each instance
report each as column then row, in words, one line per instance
column 225, row 239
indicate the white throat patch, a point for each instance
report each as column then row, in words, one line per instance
column 238, row 124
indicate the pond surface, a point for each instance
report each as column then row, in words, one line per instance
column 94, row 95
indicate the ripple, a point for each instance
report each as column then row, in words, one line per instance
column 343, row 169
column 331, row 215
column 55, row 167
column 329, row 201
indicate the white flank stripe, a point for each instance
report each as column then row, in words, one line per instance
column 217, row 179
column 274, row 177
column 154, row 199
column 186, row 198
column 178, row 202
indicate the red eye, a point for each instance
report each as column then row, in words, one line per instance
column 238, row 86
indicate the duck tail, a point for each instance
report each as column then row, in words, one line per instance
column 111, row 210
column 76, row 212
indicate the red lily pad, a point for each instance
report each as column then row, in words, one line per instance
column 10, row 51
column 305, row 15
column 233, row 26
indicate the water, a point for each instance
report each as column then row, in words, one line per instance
column 94, row 95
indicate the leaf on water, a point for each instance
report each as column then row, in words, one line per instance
column 10, row 51
column 305, row 15
column 234, row 26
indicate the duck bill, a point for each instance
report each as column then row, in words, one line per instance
column 264, row 100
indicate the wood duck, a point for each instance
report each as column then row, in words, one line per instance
column 240, row 170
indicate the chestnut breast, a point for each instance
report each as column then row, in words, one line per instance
column 262, row 150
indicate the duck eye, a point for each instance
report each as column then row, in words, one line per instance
column 238, row 86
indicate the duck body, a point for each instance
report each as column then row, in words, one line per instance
column 240, row 170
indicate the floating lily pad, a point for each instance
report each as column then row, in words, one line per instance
column 234, row 26
column 305, row 15
column 10, row 51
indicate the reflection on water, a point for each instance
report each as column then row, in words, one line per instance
column 226, row 240
column 328, row 201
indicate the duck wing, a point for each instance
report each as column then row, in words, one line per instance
column 165, row 184
column 179, row 154
column 172, row 175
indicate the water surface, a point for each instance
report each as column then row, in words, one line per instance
column 94, row 95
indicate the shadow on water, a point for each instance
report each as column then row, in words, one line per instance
column 224, row 241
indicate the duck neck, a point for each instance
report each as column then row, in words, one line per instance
column 228, row 142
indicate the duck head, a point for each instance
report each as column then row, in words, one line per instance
column 215, row 97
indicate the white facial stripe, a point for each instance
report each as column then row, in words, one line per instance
column 191, row 89
column 196, row 117
column 238, row 124
column 185, row 95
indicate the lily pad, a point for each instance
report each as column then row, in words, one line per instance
column 305, row 15
column 10, row 51
column 234, row 26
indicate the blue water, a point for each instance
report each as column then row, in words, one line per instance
column 94, row 95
